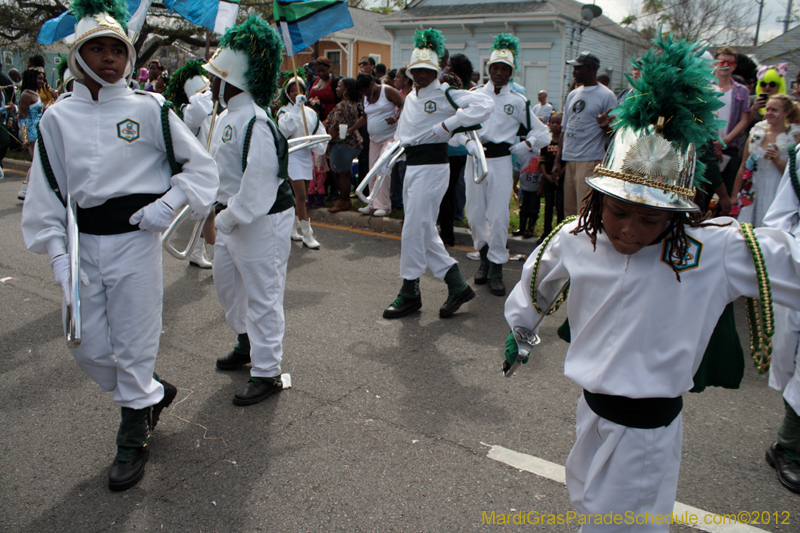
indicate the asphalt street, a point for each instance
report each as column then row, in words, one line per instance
column 387, row 427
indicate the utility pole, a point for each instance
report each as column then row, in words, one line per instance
column 758, row 24
column 788, row 18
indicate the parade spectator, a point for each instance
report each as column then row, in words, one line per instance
column 154, row 70
column 380, row 71
column 403, row 83
column 342, row 151
column 30, row 113
column 553, row 184
column 142, row 79
column 322, row 95
column 603, row 79
column 476, row 77
column 389, row 78
column 382, row 107
column 585, row 126
column 764, row 158
column 366, row 65
column 623, row 94
column 7, row 86
column 543, row 109
column 735, row 113
column 46, row 94
column 161, row 83
column 461, row 66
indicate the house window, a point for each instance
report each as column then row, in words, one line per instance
column 336, row 61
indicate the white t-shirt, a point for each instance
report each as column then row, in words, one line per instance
column 724, row 112
column 584, row 140
column 543, row 112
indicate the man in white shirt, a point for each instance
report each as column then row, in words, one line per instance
column 543, row 110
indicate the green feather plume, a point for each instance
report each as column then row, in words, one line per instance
column 675, row 84
column 117, row 9
column 430, row 38
column 263, row 46
column 61, row 68
column 506, row 41
column 174, row 91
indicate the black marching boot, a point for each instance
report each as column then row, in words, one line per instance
column 239, row 357
column 483, row 269
column 132, row 439
column 408, row 301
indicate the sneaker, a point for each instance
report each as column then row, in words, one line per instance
column 23, row 190
column 454, row 301
column 367, row 210
column 380, row 213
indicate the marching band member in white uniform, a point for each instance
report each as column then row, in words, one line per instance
column 784, row 373
column 253, row 244
column 487, row 202
column 105, row 145
column 648, row 282
column 428, row 121
column 189, row 93
column 301, row 162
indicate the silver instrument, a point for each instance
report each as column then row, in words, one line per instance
column 526, row 339
column 480, row 167
column 382, row 168
column 72, row 315
column 300, row 143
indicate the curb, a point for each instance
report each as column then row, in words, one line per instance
column 394, row 226
column 16, row 164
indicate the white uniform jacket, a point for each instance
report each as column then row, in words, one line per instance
column 109, row 148
column 290, row 122
column 428, row 107
column 636, row 331
column 510, row 112
column 251, row 193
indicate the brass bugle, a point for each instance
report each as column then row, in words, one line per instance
column 183, row 214
column 72, row 315
column 382, row 168
column 300, row 143
column 480, row 166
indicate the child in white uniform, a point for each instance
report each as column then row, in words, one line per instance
column 253, row 239
column 647, row 284
column 107, row 147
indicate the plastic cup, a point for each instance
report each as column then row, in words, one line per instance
column 343, row 131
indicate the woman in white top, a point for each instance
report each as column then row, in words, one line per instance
column 382, row 107
column 764, row 158
column 301, row 162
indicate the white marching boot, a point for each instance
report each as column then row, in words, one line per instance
column 295, row 233
column 198, row 258
column 308, row 234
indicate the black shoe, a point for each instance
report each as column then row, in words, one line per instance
column 481, row 274
column 233, row 361
column 517, row 232
column 257, row 390
column 788, row 470
column 402, row 306
column 527, row 235
column 128, row 468
column 454, row 301
column 497, row 287
column 170, row 391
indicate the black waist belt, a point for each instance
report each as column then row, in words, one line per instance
column 111, row 218
column 496, row 149
column 642, row 413
column 427, row 154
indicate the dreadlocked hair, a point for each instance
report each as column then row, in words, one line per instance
column 590, row 221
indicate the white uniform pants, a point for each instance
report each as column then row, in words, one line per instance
column 421, row 246
column 250, row 276
column 617, row 469
column 784, row 372
column 121, row 315
column 488, row 206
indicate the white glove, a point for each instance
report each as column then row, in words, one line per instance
column 472, row 148
column 220, row 225
column 60, row 266
column 198, row 216
column 300, row 100
column 520, row 148
column 155, row 217
column 440, row 135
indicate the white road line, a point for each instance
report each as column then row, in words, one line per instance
column 556, row 472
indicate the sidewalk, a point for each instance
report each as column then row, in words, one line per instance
column 353, row 219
